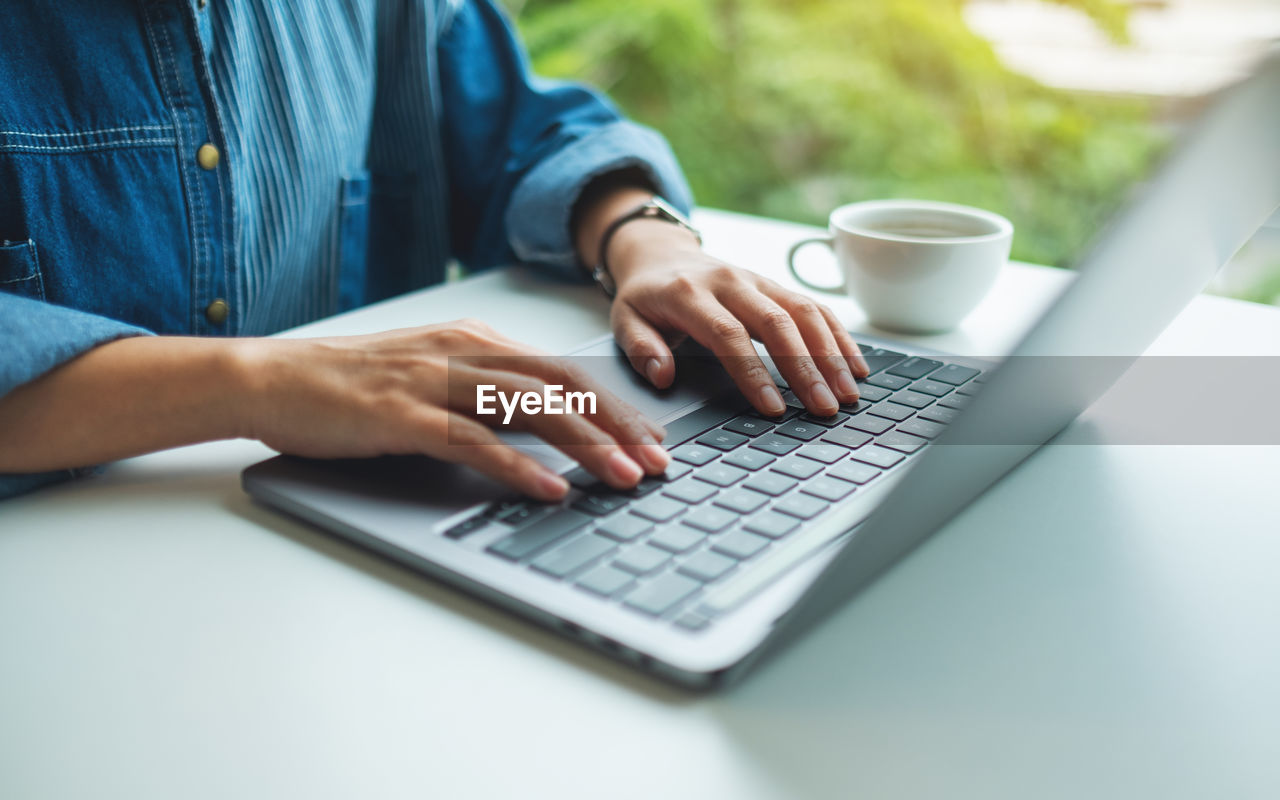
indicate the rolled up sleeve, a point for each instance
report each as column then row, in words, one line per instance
column 521, row 149
column 37, row 337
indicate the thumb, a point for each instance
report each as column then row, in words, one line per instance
column 644, row 346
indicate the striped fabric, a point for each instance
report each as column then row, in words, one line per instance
column 294, row 83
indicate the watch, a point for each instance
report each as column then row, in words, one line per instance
column 658, row 209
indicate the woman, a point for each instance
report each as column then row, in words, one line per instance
column 179, row 179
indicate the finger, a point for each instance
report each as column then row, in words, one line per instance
column 820, row 343
column 850, row 349
column 645, row 348
column 638, row 435
column 467, row 442
column 773, row 325
column 719, row 330
column 576, row 435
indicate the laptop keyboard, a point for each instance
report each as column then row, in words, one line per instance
column 737, row 486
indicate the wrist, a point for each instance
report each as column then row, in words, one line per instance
column 643, row 243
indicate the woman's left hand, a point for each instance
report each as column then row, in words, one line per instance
column 667, row 287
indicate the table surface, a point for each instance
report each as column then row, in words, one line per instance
column 1103, row 623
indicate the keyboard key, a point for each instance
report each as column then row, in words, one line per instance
column 742, row 501
column 740, row 544
column 932, row 387
column 722, row 440
column 886, row 381
column 674, row 471
column 770, row 483
column 598, row 505
column 700, row 421
column 692, row 621
column 804, row 431
column 853, row 472
column 940, row 415
column 914, row 367
column 468, row 525
column 846, row 437
column 773, row 525
column 801, row 505
column 580, row 478
column 878, row 456
column 957, row 401
column 893, row 411
column 573, row 555
column 913, row 399
column 879, row 358
column 796, row 467
column 870, row 423
column 641, row 559
column 689, row 491
column 709, row 519
column 747, row 458
column 920, row 427
column 605, row 580
column 775, row 444
column 677, row 538
column 902, row 442
column 539, row 535
column 721, row 475
column 954, row 374
column 695, row 454
column 520, row 514
column 645, row 486
column 827, row 488
column 749, row 426
column 625, row 527
column 658, row 596
column 826, row 453
column 707, row 566
column 871, row 393
column 658, row 509
column 826, row 422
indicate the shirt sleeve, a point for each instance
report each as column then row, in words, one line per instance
column 520, row 149
column 35, row 337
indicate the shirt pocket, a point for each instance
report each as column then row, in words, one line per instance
column 353, row 240
column 20, row 269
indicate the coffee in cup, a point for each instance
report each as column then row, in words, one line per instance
column 914, row 266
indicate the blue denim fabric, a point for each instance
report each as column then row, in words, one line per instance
column 109, row 227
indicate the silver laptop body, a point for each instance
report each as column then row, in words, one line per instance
column 1212, row 194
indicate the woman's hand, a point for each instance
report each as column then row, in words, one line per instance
column 668, row 287
column 414, row 391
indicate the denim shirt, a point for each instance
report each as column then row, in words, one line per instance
column 241, row 166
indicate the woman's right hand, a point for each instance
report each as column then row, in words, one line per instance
column 412, row 391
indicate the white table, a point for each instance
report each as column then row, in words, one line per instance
column 1104, row 623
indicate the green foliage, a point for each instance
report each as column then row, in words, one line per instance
column 790, row 107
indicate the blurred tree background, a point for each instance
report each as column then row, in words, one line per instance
column 788, row 108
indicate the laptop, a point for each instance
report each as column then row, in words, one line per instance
column 761, row 527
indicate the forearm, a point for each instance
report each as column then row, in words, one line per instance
column 122, row 399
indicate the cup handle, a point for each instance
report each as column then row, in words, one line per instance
column 791, row 265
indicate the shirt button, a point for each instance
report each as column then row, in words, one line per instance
column 207, row 156
column 217, row 311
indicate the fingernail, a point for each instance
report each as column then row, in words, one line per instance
column 771, row 399
column 657, row 458
column 860, row 365
column 651, row 369
column 822, row 396
column 552, row 486
column 624, row 469
column 848, row 388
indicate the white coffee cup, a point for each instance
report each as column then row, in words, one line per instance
column 914, row 266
